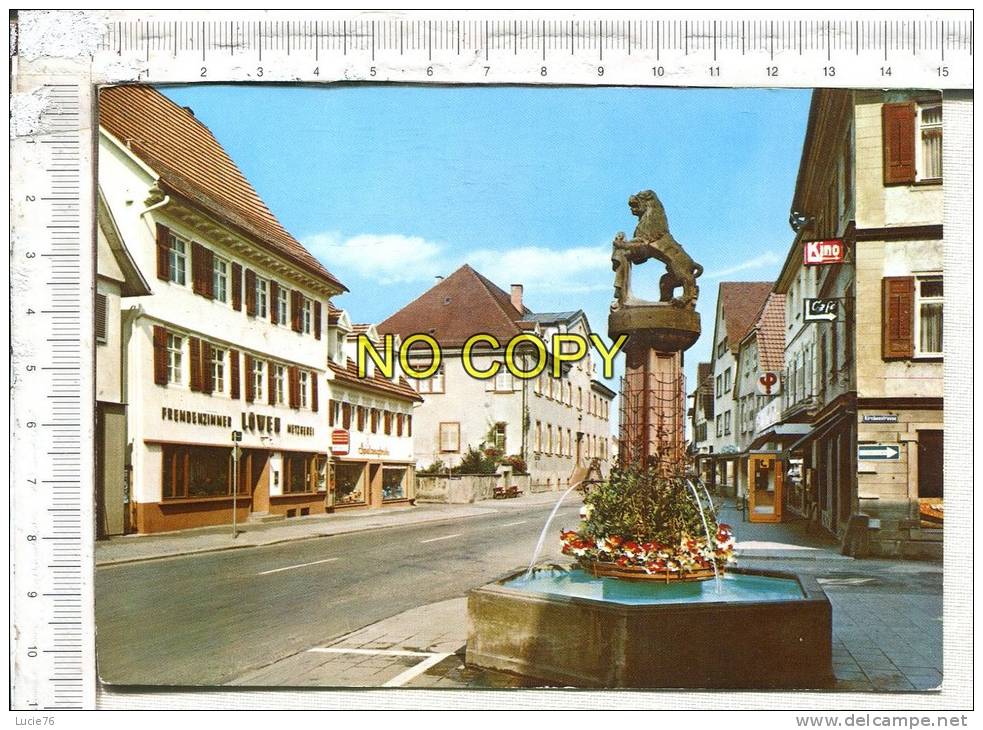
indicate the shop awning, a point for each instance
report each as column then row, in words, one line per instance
column 782, row 432
column 821, row 429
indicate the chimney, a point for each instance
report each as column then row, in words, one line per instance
column 517, row 297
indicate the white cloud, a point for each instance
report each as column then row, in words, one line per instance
column 768, row 258
column 389, row 258
column 394, row 258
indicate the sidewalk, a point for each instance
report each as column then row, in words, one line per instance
column 788, row 540
column 134, row 548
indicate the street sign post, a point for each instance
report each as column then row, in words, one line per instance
column 879, row 452
column 820, row 310
column 236, row 438
column 830, row 251
column 880, row 418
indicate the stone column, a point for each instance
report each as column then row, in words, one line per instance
column 653, row 405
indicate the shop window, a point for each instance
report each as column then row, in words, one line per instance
column 393, row 482
column 450, row 437
column 928, row 316
column 196, row 471
column 174, row 358
column 349, row 483
column 299, row 474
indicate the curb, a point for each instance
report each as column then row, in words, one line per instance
column 280, row 541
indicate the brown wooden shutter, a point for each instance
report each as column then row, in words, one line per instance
column 317, row 320
column 296, row 319
column 234, row 374
column 294, row 386
column 269, row 380
column 160, row 355
column 250, row 292
column 247, row 362
column 163, row 252
column 898, row 122
column 897, row 317
column 207, row 352
column 194, row 347
column 330, row 413
column 314, row 391
column 197, row 268
column 207, row 272
column 236, row 287
column 274, row 302
column 409, row 425
column 346, row 416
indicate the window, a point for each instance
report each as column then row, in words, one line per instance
column 538, row 443
column 727, row 378
column 195, row 471
column 393, row 480
column 726, row 423
column 259, row 378
column 348, row 479
column 719, row 389
column 433, row 384
column 177, row 260
column 549, row 439
column 720, row 426
column 305, row 388
column 346, row 416
column 721, row 348
column 218, row 370
column 387, row 422
column 279, row 384
column 537, row 386
column 450, row 438
column 359, row 418
column 928, row 143
column 499, row 435
column 282, row 305
column 220, row 279
column 300, row 476
column 503, row 381
column 307, row 316
column 262, row 297
column 374, row 420
column 928, row 316
column 580, row 398
column 174, row 357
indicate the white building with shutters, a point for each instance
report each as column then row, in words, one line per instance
column 231, row 337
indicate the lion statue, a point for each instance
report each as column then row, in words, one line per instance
column 652, row 240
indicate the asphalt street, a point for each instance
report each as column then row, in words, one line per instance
column 206, row 619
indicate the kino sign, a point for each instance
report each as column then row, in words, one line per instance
column 831, row 251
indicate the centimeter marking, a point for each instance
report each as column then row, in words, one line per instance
column 739, row 37
column 51, row 656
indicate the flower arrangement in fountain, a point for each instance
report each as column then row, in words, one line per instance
column 647, row 520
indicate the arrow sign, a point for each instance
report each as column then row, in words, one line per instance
column 817, row 310
column 879, row 452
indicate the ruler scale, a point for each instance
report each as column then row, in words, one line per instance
column 51, row 410
column 52, row 207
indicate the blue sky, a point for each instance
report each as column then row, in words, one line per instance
column 391, row 186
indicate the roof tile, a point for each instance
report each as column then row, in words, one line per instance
column 741, row 302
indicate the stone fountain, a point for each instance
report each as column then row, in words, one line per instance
column 653, row 614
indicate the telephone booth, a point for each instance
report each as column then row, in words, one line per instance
column 765, row 482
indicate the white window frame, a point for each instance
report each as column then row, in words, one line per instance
column 259, row 379
column 449, row 427
column 919, row 300
column 177, row 258
column 175, row 359
column 282, row 305
column 304, row 386
column 220, row 279
column 503, row 381
column 262, row 297
column 433, row 384
column 307, row 316
column 279, row 384
column 920, row 128
column 217, row 365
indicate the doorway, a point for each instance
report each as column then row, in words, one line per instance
column 764, row 488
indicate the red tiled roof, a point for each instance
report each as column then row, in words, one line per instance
column 192, row 164
column 741, row 302
column 334, row 313
column 456, row 308
column 770, row 329
column 704, row 378
column 348, row 373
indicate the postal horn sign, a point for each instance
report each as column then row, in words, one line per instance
column 830, row 251
column 769, row 383
column 340, row 442
column 820, row 310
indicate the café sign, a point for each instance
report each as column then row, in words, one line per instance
column 830, row 251
column 821, row 310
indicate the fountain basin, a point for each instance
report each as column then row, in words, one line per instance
column 766, row 629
